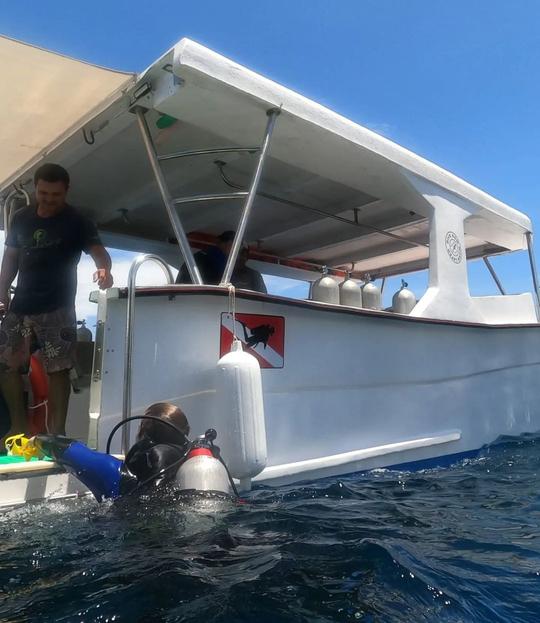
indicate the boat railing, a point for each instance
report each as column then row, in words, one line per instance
column 15, row 194
column 128, row 346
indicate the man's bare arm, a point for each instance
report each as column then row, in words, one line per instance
column 8, row 272
column 102, row 259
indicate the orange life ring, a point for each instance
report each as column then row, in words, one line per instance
column 37, row 411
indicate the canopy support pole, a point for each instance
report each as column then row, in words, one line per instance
column 252, row 193
column 494, row 275
column 530, row 248
column 178, row 230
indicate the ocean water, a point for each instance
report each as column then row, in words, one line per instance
column 454, row 544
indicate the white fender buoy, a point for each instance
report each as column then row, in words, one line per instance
column 350, row 293
column 403, row 300
column 325, row 289
column 240, row 413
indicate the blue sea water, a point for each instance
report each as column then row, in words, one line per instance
column 454, row 544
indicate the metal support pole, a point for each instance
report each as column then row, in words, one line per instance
column 233, row 255
column 128, row 347
column 167, row 200
column 530, row 248
column 16, row 192
column 494, row 275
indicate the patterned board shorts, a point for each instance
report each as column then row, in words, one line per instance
column 53, row 333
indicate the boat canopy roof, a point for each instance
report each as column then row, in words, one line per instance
column 45, row 96
column 332, row 192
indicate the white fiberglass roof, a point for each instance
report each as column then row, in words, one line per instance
column 330, row 186
column 44, row 95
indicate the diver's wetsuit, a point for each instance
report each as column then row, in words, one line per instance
column 106, row 476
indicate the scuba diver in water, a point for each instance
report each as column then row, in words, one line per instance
column 161, row 447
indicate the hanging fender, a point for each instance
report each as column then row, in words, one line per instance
column 37, row 411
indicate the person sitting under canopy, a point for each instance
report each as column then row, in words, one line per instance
column 212, row 261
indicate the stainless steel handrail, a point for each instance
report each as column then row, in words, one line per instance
column 213, row 197
column 6, row 208
column 128, row 349
column 211, row 150
column 295, row 204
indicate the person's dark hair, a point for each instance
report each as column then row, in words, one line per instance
column 158, row 433
column 227, row 236
column 50, row 172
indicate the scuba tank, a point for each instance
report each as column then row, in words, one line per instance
column 203, row 470
column 371, row 295
column 403, row 300
column 83, row 332
column 350, row 293
column 325, row 289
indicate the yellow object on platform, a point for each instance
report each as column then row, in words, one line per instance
column 19, row 445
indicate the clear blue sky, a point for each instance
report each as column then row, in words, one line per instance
column 455, row 81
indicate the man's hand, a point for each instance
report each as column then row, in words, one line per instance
column 103, row 278
column 4, row 302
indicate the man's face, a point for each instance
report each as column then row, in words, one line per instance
column 51, row 195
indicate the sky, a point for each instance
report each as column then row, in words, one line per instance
column 456, row 82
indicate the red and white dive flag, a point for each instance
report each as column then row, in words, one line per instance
column 261, row 336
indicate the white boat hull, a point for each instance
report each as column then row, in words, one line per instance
column 351, row 380
column 36, row 481
column 357, row 390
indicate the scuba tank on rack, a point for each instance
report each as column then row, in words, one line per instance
column 371, row 295
column 404, row 300
column 325, row 289
column 83, row 332
column 350, row 293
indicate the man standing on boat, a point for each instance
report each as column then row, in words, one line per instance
column 43, row 248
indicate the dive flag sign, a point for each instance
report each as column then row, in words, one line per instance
column 261, row 336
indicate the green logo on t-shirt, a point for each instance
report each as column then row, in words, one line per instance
column 40, row 238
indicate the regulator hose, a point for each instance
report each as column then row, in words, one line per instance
column 142, row 417
column 190, row 445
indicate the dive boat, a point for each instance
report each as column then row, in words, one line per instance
column 197, row 144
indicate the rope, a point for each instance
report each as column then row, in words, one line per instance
column 44, row 403
column 232, row 308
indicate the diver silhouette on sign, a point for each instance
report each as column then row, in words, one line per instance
column 259, row 335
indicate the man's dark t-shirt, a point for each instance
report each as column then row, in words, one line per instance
column 49, row 251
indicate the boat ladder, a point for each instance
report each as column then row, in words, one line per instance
column 128, row 345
